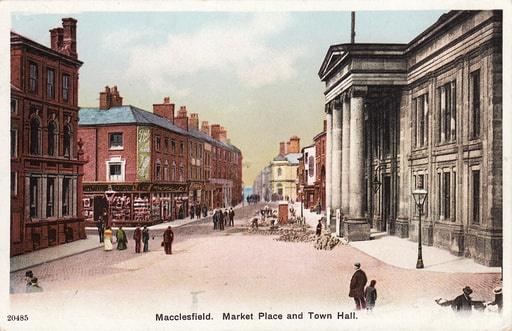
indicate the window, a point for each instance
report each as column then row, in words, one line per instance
column 114, row 172
column 33, row 77
column 182, row 148
column 157, row 143
column 50, row 196
column 279, row 171
column 173, row 146
column 446, row 195
column 50, row 83
column 475, row 176
column 158, row 170
column 14, row 142
column 166, row 144
column 311, row 166
column 52, row 138
column 420, row 120
column 475, row 104
column 181, row 172
column 115, row 140
column 173, row 174
column 447, row 112
column 65, row 87
column 67, row 140
column 14, row 183
column 66, row 196
column 33, row 192
column 35, row 134
column 166, row 171
column 14, row 106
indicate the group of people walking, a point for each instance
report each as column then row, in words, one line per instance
column 223, row 218
column 197, row 209
column 364, row 297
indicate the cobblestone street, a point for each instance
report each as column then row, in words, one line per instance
column 237, row 270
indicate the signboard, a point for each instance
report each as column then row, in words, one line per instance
column 143, row 153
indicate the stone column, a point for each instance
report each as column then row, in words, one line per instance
column 356, row 227
column 328, row 157
column 336, row 161
column 345, row 158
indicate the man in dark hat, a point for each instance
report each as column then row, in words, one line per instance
column 101, row 228
column 357, row 284
column 34, row 286
column 145, row 238
column 168, row 239
column 319, row 227
column 137, row 237
column 231, row 217
column 463, row 303
column 498, row 299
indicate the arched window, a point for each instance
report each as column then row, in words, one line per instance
column 52, row 139
column 35, row 136
column 173, row 174
column 68, row 140
column 166, row 170
column 181, row 171
column 279, row 171
column 158, row 170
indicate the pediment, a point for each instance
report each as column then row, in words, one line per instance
column 332, row 58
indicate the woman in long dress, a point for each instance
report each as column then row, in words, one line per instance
column 107, row 239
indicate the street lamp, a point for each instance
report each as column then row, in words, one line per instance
column 420, row 195
column 302, row 202
column 109, row 194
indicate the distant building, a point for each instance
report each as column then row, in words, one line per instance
column 46, row 164
column 427, row 114
column 319, row 141
column 261, row 185
column 307, row 176
column 283, row 168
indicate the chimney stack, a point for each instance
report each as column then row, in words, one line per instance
column 193, row 121
column 294, row 145
column 215, row 131
column 165, row 110
column 282, row 150
column 69, row 41
column 56, row 38
column 110, row 98
column 205, row 128
column 182, row 119
column 223, row 134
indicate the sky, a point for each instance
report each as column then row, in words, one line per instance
column 255, row 73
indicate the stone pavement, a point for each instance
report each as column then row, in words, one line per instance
column 403, row 253
column 38, row 257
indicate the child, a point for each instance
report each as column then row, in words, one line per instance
column 370, row 294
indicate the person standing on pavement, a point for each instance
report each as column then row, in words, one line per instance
column 122, row 241
column 215, row 219
column 168, row 239
column 226, row 219
column 101, row 228
column 107, row 239
column 357, row 284
column 231, row 217
column 145, row 238
column 137, row 237
column 205, row 211
column 221, row 220
column 370, row 295
column 192, row 213
column 198, row 211
column 319, row 227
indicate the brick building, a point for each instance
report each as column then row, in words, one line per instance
column 319, row 142
column 157, row 163
column 46, row 169
column 427, row 114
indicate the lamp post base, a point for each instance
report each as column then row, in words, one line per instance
column 419, row 263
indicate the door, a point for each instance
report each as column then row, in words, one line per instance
column 386, row 203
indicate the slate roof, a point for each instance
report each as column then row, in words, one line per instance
column 292, row 158
column 128, row 114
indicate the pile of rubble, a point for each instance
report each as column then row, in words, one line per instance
column 327, row 242
column 293, row 235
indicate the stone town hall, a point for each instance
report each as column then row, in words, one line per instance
column 427, row 114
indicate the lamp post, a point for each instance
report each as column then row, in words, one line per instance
column 420, row 196
column 109, row 194
column 302, row 201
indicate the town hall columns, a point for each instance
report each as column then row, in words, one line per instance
column 328, row 164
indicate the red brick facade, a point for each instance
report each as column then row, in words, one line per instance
column 320, row 148
column 46, row 170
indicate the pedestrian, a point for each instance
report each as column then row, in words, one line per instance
column 101, row 228
column 34, row 286
column 226, row 219
column 168, row 239
column 215, row 219
column 122, row 241
column 107, row 239
column 145, row 238
column 28, row 278
column 357, row 284
column 498, row 299
column 370, row 295
column 137, row 237
column 205, row 211
column 231, row 217
column 221, row 220
column 319, row 227
column 462, row 303
column 192, row 213
column 198, row 211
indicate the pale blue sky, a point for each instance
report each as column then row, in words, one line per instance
column 254, row 73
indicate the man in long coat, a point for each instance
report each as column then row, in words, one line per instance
column 168, row 239
column 145, row 238
column 221, row 220
column 357, row 284
column 215, row 219
column 137, row 237
column 198, row 211
column 101, row 228
column 231, row 217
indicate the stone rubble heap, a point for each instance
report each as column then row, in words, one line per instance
column 296, row 235
column 327, row 242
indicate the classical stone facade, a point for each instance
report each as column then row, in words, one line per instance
column 46, row 165
column 427, row 114
column 283, row 170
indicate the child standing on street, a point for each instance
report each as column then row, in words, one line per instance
column 370, row 294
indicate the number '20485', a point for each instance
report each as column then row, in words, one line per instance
column 20, row 318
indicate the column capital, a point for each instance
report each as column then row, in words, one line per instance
column 358, row 91
column 328, row 108
column 338, row 102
